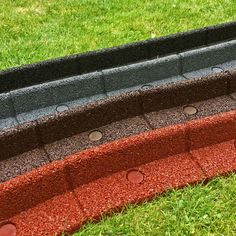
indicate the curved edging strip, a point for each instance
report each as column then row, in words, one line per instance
column 52, row 128
column 112, row 57
column 31, row 103
column 64, row 194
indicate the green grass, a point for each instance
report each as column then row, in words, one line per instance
column 195, row 210
column 31, row 31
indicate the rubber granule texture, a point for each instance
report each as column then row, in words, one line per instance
column 62, row 195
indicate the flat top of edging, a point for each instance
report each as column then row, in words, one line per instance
column 93, row 61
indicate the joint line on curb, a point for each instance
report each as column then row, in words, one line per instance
column 148, row 123
column 13, row 108
column 180, row 64
column 104, row 84
column 71, row 189
column 198, row 164
column 228, row 88
column 188, row 149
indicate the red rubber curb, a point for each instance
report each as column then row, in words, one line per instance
column 64, row 194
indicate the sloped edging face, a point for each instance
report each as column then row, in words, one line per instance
column 64, row 194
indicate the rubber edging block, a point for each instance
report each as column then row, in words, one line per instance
column 18, row 140
column 209, row 131
column 146, row 147
column 32, row 188
column 125, row 153
column 184, row 92
column 110, row 194
column 37, row 73
column 88, row 117
column 130, row 104
column 113, row 81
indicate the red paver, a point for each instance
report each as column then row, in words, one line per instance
column 217, row 159
column 212, row 130
column 52, row 217
column 110, row 193
column 26, row 191
column 124, row 154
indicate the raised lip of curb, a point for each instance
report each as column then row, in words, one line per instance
column 181, row 138
column 79, row 63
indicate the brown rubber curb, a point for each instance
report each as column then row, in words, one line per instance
column 62, row 195
column 37, row 143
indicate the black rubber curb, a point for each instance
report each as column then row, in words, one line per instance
column 78, row 64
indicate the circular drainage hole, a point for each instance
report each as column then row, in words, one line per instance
column 8, row 230
column 95, row 135
column 62, row 108
column 216, row 69
column 135, row 176
column 146, row 86
column 190, row 110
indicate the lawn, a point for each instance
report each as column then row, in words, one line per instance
column 31, row 31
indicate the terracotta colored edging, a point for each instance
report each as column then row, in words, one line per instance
column 64, row 194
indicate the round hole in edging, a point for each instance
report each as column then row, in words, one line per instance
column 190, row 110
column 233, row 95
column 216, row 69
column 8, row 230
column 95, row 135
column 135, row 176
column 146, row 86
column 62, row 108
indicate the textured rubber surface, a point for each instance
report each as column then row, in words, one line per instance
column 112, row 57
column 34, row 102
column 52, row 138
column 62, row 195
column 74, row 162
column 68, row 123
column 34, row 91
